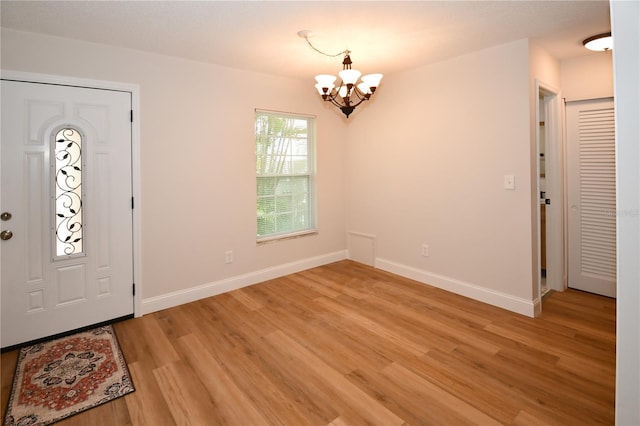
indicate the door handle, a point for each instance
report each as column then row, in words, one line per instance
column 6, row 235
column 5, row 216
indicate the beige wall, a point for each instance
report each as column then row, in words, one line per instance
column 197, row 154
column 421, row 164
column 587, row 77
column 433, row 173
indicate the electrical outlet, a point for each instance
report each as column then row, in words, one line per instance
column 228, row 256
column 424, row 250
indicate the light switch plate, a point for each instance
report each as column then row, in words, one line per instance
column 509, row 182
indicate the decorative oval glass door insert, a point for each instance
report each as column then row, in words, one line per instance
column 68, row 192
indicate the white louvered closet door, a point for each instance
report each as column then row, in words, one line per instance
column 591, row 172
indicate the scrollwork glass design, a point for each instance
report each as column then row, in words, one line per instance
column 68, row 192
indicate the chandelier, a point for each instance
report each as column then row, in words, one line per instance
column 348, row 94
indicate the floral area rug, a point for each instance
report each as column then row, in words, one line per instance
column 66, row 376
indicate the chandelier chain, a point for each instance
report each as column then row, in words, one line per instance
column 344, row 52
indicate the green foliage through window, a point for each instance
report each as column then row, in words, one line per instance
column 284, row 173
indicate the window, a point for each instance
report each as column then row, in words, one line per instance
column 67, row 199
column 285, row 168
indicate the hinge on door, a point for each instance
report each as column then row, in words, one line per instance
column 132, row 203
column 134, row 289
column 132, row 116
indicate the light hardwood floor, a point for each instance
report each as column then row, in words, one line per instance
column 345, row 344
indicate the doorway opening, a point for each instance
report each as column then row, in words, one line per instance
column 550, row 191
column 543, row 199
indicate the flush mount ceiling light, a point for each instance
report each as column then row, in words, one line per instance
column 599, row 43
column 348, row 94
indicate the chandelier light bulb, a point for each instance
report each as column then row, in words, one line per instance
column 372, row 80
column 364, row 88
column 326, row 80
column 324, row 90
column 349, row 76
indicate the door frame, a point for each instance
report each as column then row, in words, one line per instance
column 555, row 181
column 134, row 89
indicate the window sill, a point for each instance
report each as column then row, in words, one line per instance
column 307, row 232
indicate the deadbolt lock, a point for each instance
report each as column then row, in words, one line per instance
column 5, row 216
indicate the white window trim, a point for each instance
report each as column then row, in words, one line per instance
column 313, row 225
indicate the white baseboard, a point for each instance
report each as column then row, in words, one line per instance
column 169, row 300
column 473, row 291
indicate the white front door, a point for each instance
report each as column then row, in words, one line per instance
column 591, row 172
column 66, row 209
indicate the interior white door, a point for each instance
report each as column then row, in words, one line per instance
column 67, row 249
column 591, row 172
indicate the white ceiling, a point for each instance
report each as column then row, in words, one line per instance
column 383, row 36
